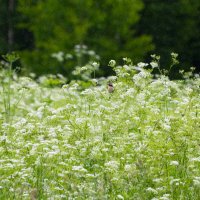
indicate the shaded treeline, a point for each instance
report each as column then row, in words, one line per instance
column 112, row 28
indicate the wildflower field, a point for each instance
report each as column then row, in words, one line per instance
column 140, row 142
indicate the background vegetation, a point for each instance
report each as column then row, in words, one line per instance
column 139, row 142
column 112, row 28
column 68, row 136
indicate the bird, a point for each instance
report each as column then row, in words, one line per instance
column 110, row 87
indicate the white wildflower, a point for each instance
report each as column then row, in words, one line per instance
column 112, row 165
column 157, row 180
column 152, row 190
column 127, row 167
column 165, row 197
column 59, row 56
column 127, row 67
column 154, row 64
column 196, row 182
column 174, row 163
column 95, row 64
column 195, row 159
column 79, row 168
column 175, row 181
column 112, row 63
column 141, row 64
column 119, row 196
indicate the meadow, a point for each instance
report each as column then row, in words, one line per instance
column 141, row 142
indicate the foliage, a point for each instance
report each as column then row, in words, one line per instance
column 139, row 142
column 12, row 37
column 108, row 27
column 3, row 33
column 83, row 59
column 174, row 27
column 6, row 80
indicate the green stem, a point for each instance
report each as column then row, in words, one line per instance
column 9, row 91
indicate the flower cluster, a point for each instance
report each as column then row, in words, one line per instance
column 139, row 142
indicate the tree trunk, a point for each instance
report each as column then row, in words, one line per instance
column 11, row 4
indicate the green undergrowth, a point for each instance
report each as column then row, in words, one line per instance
column 71, row 142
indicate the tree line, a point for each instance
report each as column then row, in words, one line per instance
column 113, row 29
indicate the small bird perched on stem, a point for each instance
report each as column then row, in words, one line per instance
column 110, row 87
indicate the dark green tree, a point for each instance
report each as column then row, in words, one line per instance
column 107, row 26
column 12, row 36
column 4, row 25
column 175, row 27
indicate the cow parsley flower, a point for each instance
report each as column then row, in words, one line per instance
column 174, row 163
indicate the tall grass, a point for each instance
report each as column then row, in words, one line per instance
column 139, row 142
